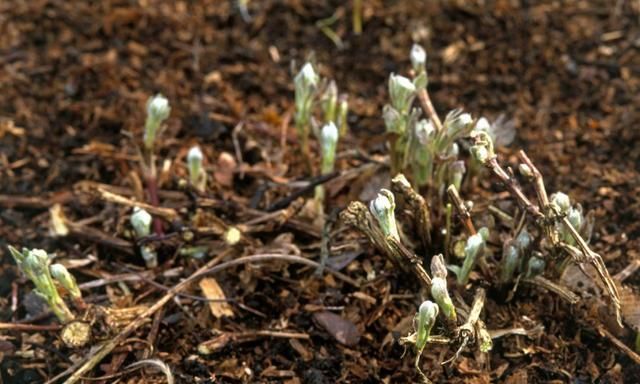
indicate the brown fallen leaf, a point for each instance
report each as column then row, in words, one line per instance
column 212, row 291
column 343, row 330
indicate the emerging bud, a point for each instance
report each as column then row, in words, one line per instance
column 457, row 169
column 418, row 58
column 149, row 256
column 523, row 240
column 402, row 92
column 424, row 131
column 480, row 154
column 535, row 265
column 329, row 141
column 158, row 107
column 427, row 314
column 575, row 217
column 37, row 261
column 157, row 111
column 525, row 171
column 307, row 77
column 473, row 250
column 457, row 123
column 509, row 263
column 562, row 201
column 392, row 119
column 483, row 125
column 60, row 273
column 482, row 149
column 141, row 222
column 439, row 289
column 438, row 267
column 197, row 176
column 382, row 207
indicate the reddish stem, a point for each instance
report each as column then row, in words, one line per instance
column 152, row 189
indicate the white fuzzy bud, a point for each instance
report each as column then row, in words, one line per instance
column 195, row 155
column 424, row 131
column 480, row 153
column 427, row 314
column 382, row 207
column 401, row 90
column 329, row 134
column 158, row 107
column 465, row 119
column 483, row 125
column 141, row 222
column 418, row 57
column 37, row 260
column 561, row 200
column 307, row 76
column 60, row 273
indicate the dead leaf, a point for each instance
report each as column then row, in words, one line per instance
column 343, row 330
column 212, row 291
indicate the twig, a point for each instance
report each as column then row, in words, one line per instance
column 463, row 212
column 212, row 345
column 549, row 285
column 427, row 106
column 513, row 187
column 623, row 347
column 168, row 213
column 29, row 327
column 285, row 201
column 100, row 237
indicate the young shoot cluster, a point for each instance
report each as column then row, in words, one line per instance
column 36, row 266
column 423, row 146
column 317, row 100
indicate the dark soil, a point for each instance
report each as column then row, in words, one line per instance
column 74, row 79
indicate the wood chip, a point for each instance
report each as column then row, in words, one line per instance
column 212, row 291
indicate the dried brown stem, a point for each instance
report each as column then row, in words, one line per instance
column 541, row 191
column 584, row 253
column 29, row 327
column 359, row 217
column 417, row 204
column 558, row 289
column 168, row 213
column 513, row 188
column 466, row 332
column 463, row 212
column 427, row 106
